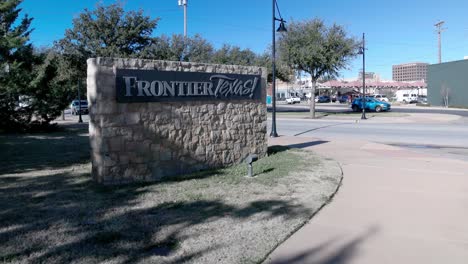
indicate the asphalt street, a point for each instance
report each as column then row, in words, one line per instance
column 336, row 107
column 447, row 139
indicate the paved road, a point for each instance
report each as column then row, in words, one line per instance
column 334, row 107
column 449, row 139
column 402, row 201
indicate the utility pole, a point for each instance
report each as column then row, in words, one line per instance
column 363, row 116
column 439, row 33
column 184, row 4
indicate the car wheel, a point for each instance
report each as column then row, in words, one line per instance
column 378, row 108
column 355, row 108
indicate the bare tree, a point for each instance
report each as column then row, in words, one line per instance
column 445, row 92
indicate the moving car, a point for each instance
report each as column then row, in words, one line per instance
column 75, row 107
column 371, row 104
column 293, row 100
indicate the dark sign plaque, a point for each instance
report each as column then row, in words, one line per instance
column 163, row 86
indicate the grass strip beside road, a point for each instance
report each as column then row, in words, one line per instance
column 51, row 211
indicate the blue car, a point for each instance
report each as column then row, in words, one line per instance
column 371, row 104
column 323, row 99
column 343, row 99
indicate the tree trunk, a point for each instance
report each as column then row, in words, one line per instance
column 312, row 99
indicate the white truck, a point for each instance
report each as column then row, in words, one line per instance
column 407, row 96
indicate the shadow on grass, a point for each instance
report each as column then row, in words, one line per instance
column 67, row 218
column 64, row 217
column 25, row 152
column 322, row 254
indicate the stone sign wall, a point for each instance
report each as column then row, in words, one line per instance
column 152, row 140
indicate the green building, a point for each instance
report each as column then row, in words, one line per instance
column 447, row 83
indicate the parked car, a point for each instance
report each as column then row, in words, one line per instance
column 293, row 100
column 75, row 107
column 422, row 99
column 381, row 97
column 343, row 99
column 371, row 104
column 323, row 99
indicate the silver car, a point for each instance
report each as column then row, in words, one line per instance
column 75, row 107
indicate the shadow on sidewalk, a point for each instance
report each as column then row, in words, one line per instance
column 308, row 144
column 321, row 254
column 280, row 148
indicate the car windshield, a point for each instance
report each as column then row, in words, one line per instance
column 82, row 103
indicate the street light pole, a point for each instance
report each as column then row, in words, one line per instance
column 281, row 28
column 363, row 116
column 80, row 120
column 184, row 4
column 273, row 83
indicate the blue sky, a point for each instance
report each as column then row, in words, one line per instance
column 397, row 31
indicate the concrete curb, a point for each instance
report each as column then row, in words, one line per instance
column 329, row 200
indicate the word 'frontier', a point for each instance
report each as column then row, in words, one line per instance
column 152, row 85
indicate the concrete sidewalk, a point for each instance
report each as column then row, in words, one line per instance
column 395, row 206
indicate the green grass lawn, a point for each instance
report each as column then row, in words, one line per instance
column 52, row 212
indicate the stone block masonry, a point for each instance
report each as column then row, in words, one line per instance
column 150, row 141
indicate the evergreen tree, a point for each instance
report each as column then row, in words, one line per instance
column 16, row 63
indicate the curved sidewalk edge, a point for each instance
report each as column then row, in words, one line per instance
column 328, row 200
column 395, row 206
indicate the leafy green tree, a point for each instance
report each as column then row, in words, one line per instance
column 107, row 31
column 16, row 62
column 165, row 48
column 318, row 50
column 179, row 48
column 199, row 49
column 234, row 55
column 283, row 71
